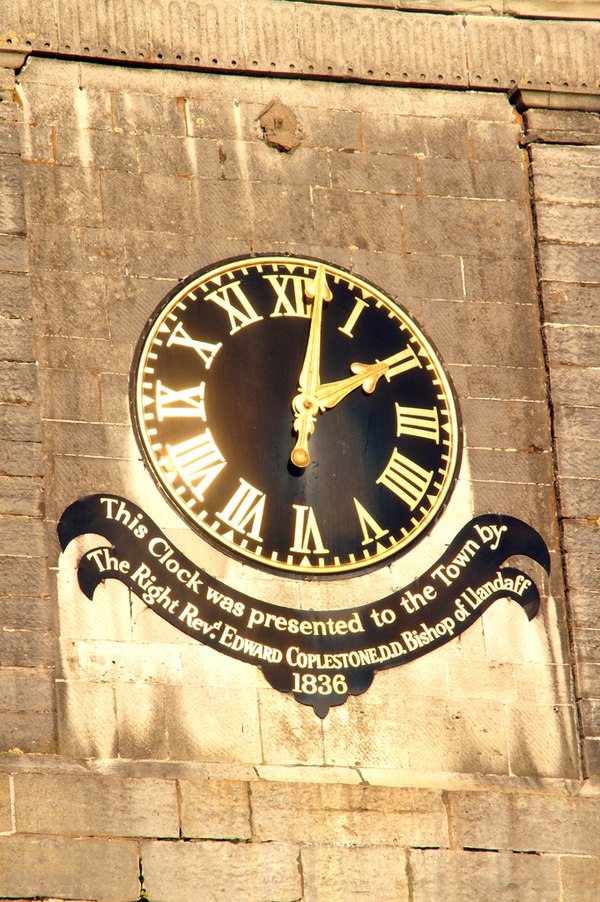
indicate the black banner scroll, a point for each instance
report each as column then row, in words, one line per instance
column 319, row 656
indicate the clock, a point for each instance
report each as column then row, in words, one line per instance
column 295, row 415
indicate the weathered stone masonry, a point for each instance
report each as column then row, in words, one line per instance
column 135, row 761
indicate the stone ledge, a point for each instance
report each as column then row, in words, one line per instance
column 363, row 43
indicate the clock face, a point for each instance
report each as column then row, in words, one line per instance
column 295, row 415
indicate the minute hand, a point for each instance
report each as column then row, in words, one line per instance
column 366, row 375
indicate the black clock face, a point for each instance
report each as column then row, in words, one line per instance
column 295, row 415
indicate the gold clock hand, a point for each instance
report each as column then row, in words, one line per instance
column 304, row 405
column 366, row 375
column 319, row 291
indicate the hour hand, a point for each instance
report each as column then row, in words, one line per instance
column 366, row 375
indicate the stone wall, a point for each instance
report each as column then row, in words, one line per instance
column 137, row 763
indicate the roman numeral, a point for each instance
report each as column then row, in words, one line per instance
column 423, row 422
column 371, row 530
column 401, row 362
column 204, row 349
column 358, row 308
column 198, row 461
column 406, row 479
column 239, row 316
column 307, row 538
column 246, row 506
column 187, row 402
column 284, row 305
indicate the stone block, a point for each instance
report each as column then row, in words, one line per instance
column 70, row 805
column 19, row 459
column 411, row 278
column 290, row 733
column 505, row 424
column 503, row 876
column 573, row 345
column 35, row 613
column 508, row 337
column 568, row 302
column 72, row 305
column 105, row 661
column 69, row 106
column 495, row 141
column 13, row 254
column 259, row 212
column 60, row 248
column 498, row 382
column 17, row 341
column 25, row 647
column 28, row 733
column 472, row 178
column 589, row 679
column 543, row 684
column 569, row 263
column 579, row 497
column 578, row 458
column 141, row 721
column 577, row 424
column 171, row 256
column 503, row 281
column 580, row 877
column 15, row 299
column 12, row 214
column 148, row 114
column 334, row 129
column 354, row 874
column 66, row 194
column 11, row 174
column 258, row 162
column 590, row 716
column 552, row 823
column 20, row 423
column 565, row 174
column 18, row 382
column 150, row 202
column 411, row 135
column 574, row 386
column 347, row 815
column 88, row 439
column 87, row 726
column 59, row 400
column 215, row 809
column 224, row 870
column 207, row 724
column 6, row 814
column 23, row 576
column 186, row 157
column 526, row 465
column 542, row 741
column 25, row 689
column 372, row 172
column 591, row 756
column 563, row 222
column 467, row 226
column 476, row 679
column 9, row 138
column 366, row 221
column 583, row 569
column 73, row 868
column 585, row 605
column 25, row 536
column 98, row 149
